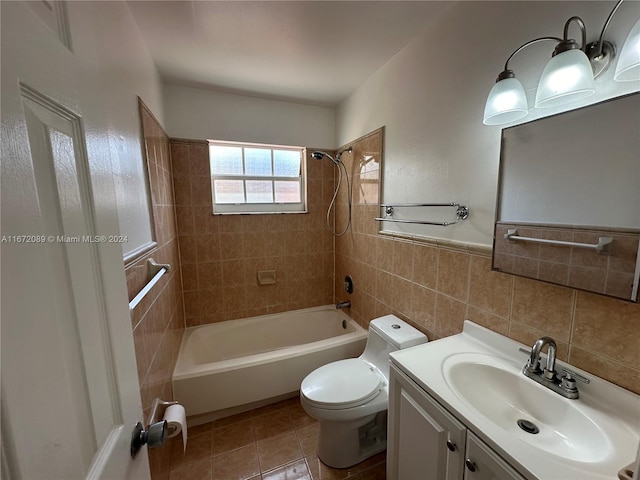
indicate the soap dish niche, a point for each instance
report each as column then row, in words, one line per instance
column 266, row 277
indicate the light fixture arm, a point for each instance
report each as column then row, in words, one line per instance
column 524, row 45
column 601, row 42
column 583, row 32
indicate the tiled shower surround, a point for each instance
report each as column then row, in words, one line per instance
column 221, row 254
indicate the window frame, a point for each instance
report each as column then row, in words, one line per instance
column 257, row 208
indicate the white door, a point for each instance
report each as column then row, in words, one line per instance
column 70, row 393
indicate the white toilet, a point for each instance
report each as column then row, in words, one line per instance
column 350, row 397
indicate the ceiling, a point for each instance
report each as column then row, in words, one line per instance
column 314, row 52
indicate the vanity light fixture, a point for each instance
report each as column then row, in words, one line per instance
column 628, row 68
column 569, row 75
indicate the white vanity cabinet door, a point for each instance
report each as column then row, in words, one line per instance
column 482, row 463
column 424, row 441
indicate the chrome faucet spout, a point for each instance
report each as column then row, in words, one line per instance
column 341, row 305
column 534, row 367
column 548, row 377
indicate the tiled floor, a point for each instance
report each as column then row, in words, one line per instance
column 275, row 442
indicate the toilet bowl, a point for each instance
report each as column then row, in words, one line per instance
column 350, row 397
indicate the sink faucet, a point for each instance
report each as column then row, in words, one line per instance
column 534, row 359
column 563, row 385
column 342, row 305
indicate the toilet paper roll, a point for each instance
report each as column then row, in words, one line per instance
column 176, row 418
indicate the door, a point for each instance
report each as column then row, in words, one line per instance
column 425, row 442
column 70, row 392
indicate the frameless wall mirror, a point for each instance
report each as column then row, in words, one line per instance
column 568, row 209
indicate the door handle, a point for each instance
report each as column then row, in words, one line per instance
column 154, row 436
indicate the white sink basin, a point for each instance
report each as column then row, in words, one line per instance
column 494, row 389
column 477, row 376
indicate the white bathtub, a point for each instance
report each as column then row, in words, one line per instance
column 241, row 362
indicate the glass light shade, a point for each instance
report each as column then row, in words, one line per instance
column 506, row 102
column 566, row 77
column 628, row 68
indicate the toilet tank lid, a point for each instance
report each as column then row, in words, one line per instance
column 398, row 333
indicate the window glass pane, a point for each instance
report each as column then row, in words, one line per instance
column 225, row 160
column 259, row 191
column 228, row 191
column 286, row 163
column 257, row 161
column 287, row 191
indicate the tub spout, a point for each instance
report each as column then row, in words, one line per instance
column 342, row 305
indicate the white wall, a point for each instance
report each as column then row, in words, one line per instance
column 205, row 114
column 430, row 97
column 127, row 71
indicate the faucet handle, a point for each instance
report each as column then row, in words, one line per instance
column 536, row 368
column 571, row 375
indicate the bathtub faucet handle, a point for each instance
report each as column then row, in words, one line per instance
column 341, row 305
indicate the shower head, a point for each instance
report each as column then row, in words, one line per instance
column 318, row 155
column 349, row 150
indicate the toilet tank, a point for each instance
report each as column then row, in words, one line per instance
column 388, row 334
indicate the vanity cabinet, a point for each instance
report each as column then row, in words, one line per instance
column 426, row 442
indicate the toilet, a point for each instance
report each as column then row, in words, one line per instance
column 350, row 397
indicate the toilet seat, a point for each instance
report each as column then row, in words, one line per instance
column 342, row 384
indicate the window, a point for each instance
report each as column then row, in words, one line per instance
column 255, row 178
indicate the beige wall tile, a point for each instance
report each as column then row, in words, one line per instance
column 609, row 327
column 545, row 307
column 453, row 274
column 423, row 303
column 490, row 291
column 425, row 266
column 486, row 319
column 606, row 368
column 403, row 259
column 384, row 253
column 592, row 279
column 528, row 336
column 450, row 316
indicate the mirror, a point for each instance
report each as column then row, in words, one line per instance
column 568, row 208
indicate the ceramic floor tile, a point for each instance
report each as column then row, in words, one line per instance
column 308, row 438
column 198, row 448
column 320, row 471
column 201, row 470
column 232, row 436
column 252, row 446
column 238, row 417
column 239, row 464
column 377, row 472
column 299, row 417
column 272, row 424
column 277, row 451
column 293, row 471
column 200, row 429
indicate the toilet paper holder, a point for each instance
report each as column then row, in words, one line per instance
column 154, row 408
column 156, row 432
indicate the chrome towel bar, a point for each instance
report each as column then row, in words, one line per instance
column 462, row 213
column 603, row 246
column 155, row 271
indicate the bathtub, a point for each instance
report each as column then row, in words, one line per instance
column 229, row 364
